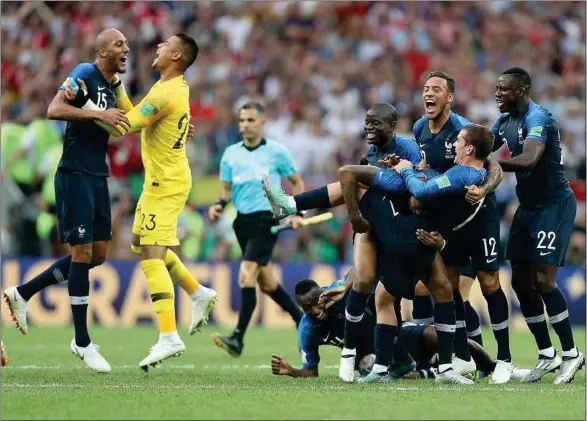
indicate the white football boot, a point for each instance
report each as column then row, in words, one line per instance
column 18, row 307
column 569, row 367
column 91, row 356
column 346, row 367
column 165, row 348
column 502, row 372
column 544, row 366
column 203, row 301
column 466, row 369
column 451, row 376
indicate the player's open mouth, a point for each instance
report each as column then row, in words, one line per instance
column 430, row 105
column 371, row 135
column 123, row 60
column 499, row 102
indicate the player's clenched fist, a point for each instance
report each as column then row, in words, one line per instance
column 279, row 366
column 214, row 212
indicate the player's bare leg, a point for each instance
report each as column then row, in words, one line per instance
column 386, row 331
column 462, row 363
column 363, row 276
column 543, row 289
column 203, row 299
column 79, row 291
column 247, row 280
column 498, row 313
column 163, row 297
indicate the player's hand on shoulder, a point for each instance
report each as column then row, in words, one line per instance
column 279, row 365
column 214, row 212
column 431, row 239
column 474, row 194
column 403, row 163
column 390, row 160
column 114, row 117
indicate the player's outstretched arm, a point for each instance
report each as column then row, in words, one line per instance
column 280, row 367
column 527, row 160
column 443, row 184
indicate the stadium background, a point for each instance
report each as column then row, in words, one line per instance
column 317, row 67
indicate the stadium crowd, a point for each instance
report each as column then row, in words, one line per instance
column 317, row 66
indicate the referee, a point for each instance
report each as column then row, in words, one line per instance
column 241, row 169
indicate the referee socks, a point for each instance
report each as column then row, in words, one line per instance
column 286, row 303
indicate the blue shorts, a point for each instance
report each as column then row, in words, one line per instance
column 541, row 234
column 477, row 243
column 83, row 207
column 468, row 271
column 402, row 259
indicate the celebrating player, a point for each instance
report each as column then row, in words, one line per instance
column 163, row 119
column 380, row 122
column 81, row 191
column 436, row 133
column 241, row 169
column 542, row 226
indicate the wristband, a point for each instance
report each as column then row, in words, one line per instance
column 443, row 246
column 222, row 203
column 117, row 84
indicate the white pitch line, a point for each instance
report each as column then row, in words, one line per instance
column 281, row 386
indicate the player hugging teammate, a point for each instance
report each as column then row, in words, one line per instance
column 452, row 190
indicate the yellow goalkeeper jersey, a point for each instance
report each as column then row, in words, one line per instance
column 163, row 117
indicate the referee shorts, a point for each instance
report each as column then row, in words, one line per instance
column 253, row 232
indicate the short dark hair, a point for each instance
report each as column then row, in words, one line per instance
column 190, row 49
column 481, row 138
column 450, row 81
column 388, row 111
column 305, row 285
column 521, row 76
column 253, row 105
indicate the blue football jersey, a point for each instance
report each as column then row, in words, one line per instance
column 547, row 182
column 85, row 144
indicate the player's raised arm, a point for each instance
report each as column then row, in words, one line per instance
column 122, row 100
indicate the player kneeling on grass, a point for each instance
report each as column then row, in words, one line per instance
column 323, row 324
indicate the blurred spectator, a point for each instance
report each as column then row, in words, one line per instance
column 317, row 66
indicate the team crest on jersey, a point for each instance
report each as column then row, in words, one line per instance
column 520, row 134
column 450, row 150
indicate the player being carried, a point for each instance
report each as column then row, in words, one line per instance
column 543, row 223
column 163, row 117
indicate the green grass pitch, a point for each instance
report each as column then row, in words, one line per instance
column 45, row 381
